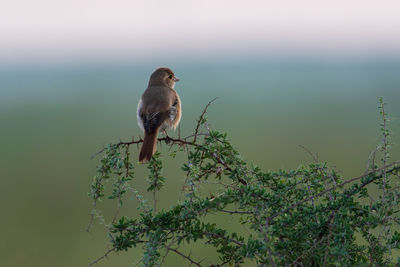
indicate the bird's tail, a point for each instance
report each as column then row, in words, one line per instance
column 149, row 146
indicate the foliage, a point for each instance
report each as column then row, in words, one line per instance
column 310, row 216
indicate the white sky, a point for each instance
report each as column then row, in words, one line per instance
column 34, row 29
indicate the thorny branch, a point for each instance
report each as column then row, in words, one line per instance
column 167, row 139
column 102, row 257
column 200, row 121
column 184, row 256
column 396, row 168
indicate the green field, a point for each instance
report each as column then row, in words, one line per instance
column 53, row 118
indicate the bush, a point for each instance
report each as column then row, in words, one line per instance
column 309, row 216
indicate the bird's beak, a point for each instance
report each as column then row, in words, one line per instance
column 176, row 79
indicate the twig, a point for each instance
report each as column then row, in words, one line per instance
column 154, row 202
column 335, row 187
column 323, row 171
column 167, row 248
column 331, row 218
column 308, row 251
column 266, row 240
column 184, row 256
column 220, row 161
column 236, row 212
column 119, row 199
column 371, row 159
column 385, row 157
column 223, row 237
column 313, row 155
column 199, row 122
column 117, row 211
column 385, row 145
column 89, row 227
column 102, row 257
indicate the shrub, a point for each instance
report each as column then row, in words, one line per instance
column 309, row 216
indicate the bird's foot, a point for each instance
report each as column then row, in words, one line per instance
column 167, row 138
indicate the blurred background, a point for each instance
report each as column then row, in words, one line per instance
column 287, row 73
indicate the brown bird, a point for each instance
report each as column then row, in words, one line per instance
column 159, row 109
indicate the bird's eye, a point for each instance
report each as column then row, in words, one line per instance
column 170, row 76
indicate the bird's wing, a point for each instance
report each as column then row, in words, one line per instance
column 151, row 121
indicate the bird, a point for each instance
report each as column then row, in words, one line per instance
column 159, row 109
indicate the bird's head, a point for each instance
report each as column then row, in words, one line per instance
column 163, row 76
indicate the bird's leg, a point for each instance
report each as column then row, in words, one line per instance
column 167, row 138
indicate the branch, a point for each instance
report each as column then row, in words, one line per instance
column 167, row 140
column 226, row 166
column 385, row 144
column 313, row 155
column 184, row 256
column 89, row 227
column 237, row 212
column 340, row 185
column 224, row 237
column 199, row 122
column 102, row 257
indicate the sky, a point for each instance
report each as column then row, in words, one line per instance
column 73, row 29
